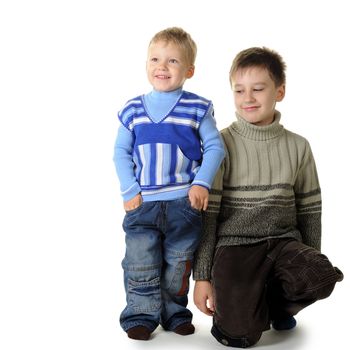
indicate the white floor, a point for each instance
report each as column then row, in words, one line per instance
column 320, row 327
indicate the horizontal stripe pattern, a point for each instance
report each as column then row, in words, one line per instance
column 266, row 188
column 188, row 111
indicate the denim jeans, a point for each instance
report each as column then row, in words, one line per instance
column 161, row 238
column 254, row 284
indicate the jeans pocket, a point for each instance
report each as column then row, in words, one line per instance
column 192, row 215
column 194, row 210
column 144, row 296
column 132, row 217
column 133, row 211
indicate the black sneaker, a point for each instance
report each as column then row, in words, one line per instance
column 284, row 324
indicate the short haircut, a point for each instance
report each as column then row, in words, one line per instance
column 264, row 58
column 180, row 38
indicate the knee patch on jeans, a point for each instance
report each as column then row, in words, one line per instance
column 144, row 296
column 185, row 279
column 178, row 278
column 179, row 285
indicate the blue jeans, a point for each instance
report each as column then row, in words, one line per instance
column 161, row 238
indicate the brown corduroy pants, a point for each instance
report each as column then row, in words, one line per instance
column 254, row 284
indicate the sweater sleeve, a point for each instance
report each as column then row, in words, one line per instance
column 124, row 163
column 308, row 201
column 213, row 150
column 205, row 252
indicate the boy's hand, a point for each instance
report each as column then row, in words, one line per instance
column 133, row 203
column 198, row 196
column 203, row 297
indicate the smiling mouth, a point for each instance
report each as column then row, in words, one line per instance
column 162, row 77
column 251, row 108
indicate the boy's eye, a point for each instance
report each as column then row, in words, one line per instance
column 154, row 59
column 173, row 60
column 258, row 89
column 238, row 91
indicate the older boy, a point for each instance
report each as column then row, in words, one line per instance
column 166, row 155
column 264, row 217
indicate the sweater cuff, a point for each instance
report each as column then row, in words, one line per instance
column 201, row 183
column 131, row 192
column 202, row 275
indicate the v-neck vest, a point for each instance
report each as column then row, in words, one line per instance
column 167, row 154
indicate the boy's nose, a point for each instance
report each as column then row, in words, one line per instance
column 162, row 66
column 248, row 96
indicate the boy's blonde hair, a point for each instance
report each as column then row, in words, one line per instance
column 264, row 58
column 180, row 38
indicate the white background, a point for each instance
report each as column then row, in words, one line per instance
column 66, row 68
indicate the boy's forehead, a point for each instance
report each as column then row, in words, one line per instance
column 252, row 73
column 169, row 47
column 163, row 44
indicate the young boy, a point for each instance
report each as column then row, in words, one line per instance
column 166, row 155
column 259, row 260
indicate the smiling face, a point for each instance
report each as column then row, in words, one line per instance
column 255, row 95
column 167, row 66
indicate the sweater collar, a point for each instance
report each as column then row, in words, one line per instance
column 258, row 133
column 165, row 95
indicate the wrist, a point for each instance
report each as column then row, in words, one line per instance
column 201, row 184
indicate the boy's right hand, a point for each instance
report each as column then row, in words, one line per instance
column 203, row 297
column 133, row 203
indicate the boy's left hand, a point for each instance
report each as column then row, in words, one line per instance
column 198, row 196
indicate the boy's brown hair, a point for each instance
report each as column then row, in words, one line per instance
column 264, row 58
column 178, row 37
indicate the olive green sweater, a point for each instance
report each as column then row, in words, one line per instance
column 267, row 187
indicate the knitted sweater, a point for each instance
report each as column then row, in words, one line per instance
column 161, row 154
column 267, row 187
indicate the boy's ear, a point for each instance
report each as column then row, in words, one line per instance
column 281, row 91
column 190, row 72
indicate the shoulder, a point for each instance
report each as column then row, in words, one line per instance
column 227, row 134
column 299, row 140
column 131, row 108
column 224, row 133
column 133, row 103
column 298, row 147
column 196, row 106
column 194, row 98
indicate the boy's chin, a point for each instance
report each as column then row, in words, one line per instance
column 258, row 121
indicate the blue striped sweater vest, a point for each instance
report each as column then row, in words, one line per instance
column 167, row 154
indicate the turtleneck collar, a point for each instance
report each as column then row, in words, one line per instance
column 159, row 104
column 165, row 95
column 258, row 133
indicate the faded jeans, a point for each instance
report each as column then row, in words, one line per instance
column 161, row 238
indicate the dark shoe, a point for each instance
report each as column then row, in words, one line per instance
column 284, row 324
column 185, row 329
column 139, row 333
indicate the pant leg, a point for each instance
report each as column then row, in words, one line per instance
column 301, row 276
column 182, row 229
column 142, row 267
column 239, row 277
